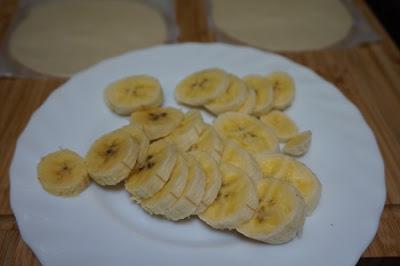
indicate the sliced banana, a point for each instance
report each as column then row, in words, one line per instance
column 202, row 86
column 233, row 97
column 271, row 164
column 157, row 122
column 236, row 201
column 63, row 173
column 112, row 157
column 140, row 137
column 239, row 157
column 299, row 144
column 283, row 126
column 192, row 195
column 209, row 142
column 133, row 93
column 188, row 131
column 284, row 89
column 148, row 178
column 172, row 190
column 213, row 179
column 248, row 132
column 264, row 93
column 280, row 214
column 249, row 104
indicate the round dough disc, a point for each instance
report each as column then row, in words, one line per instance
column 63, row 37
column 283, row 25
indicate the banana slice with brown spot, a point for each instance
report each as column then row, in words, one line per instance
column 209, row 142
column 264, row 93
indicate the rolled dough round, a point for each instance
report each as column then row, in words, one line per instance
column 63, row 37
column 283, row 25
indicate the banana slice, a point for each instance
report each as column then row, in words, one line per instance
column 284, row 89
column 111, row 158
column 280, row 214
column 231, row 99
column 235, row 155
column 264, row 93
column 189, row 130
column 133, row 93
column 140, row 137
column 299, row 144
column 171, row 192
column 148, row 178
column 236, row 201
column 249, row 104
column 209, row 142
column 246, row 131
column 202, row 86
column 297, row 174
column 63, row 173
column 213, row 179
column 157, row 122
column 283, row 126
column 187, row 204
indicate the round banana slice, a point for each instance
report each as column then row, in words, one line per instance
column 140, row 137
column 231, row 99
column 248, row 132
column 157, row 122
column 284, row 89
column 209, row 142
column 249, row 104
column 271, row 164
column 63, row 173
column 299, row 144
column 188, row 203
column 172, row 190
column 202, row 86
column 213, row 179
column 133, row 93
column 112, row 157
column 280, row 214
column 283, row 126
column 236, row 201
column 188, row 131
column 235, row 155
column 264, row 93
column 148, row 178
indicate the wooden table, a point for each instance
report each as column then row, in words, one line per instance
column 369, row 75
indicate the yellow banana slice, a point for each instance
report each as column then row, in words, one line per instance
column 172, row 190
column 231, row 99
column 249, row 104
column 299, row 144
column 246, row 131
column 133, row 93
column 148, row 178
column 157, row 122
column 209, row 142
column 213, row 179
column 111, row 158
column 202, row 86
column 235, row 155
column 264, row 93
column 188, row 131
column 280, row 214
column 283, row 126
column 284, row 89
column 271, row 164
column 63, row 173
column 187, row 204
column 236, row 201
column 140, row 137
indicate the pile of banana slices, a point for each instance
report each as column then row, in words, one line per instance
column 232, row 174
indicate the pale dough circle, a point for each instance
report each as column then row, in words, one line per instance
column 283, row 25
column 63, row 37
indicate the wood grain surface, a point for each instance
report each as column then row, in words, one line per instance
column 369, row 75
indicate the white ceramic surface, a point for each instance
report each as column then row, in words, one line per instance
column 103, row 227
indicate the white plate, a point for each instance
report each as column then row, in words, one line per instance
column 103, row 227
